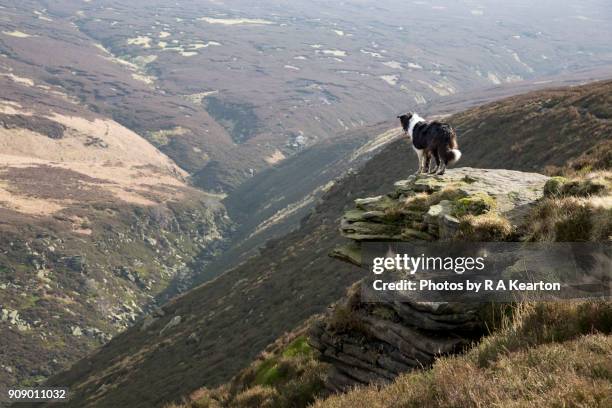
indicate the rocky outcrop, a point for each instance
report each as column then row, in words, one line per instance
column 375, row 342
column 429, row 207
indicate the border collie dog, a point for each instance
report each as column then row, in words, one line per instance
column 431, row 139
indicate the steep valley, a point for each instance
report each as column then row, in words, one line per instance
column 97, row 227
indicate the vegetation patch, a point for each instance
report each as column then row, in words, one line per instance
column 476, row 204
column 487, row 227
column 597, row 157
column 580, row 187
column 287, row 375
column 534, row 324
column 298, row 348
column 345, row 319
column 554, row 186
column 569, row 219
column 162, row 137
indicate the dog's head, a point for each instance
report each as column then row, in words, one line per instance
column 405, row 120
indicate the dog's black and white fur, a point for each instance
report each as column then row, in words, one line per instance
column 431, row 139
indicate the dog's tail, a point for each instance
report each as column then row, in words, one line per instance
column 455, row 156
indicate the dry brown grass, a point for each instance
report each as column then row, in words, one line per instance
column 487, row 227
column 344, row 317
column 527, row 364
column 257, row 396
column 571, row 375
column 570, row 219
column 44, row 171
column 586, row 185
column 577, row 207
column 533, row 324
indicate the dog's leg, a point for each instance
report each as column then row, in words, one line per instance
column 437, row 166
column 423, row 160
column 420, row 158
column 427, row 161
column 442, row 168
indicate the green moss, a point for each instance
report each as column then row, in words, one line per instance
column 267, row 373
column 477, row 204
column 298, row 347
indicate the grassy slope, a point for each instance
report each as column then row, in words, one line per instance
column 531, row 358
column 235, row 316
column 518, row 367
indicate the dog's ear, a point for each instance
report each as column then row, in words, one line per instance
column 399, row 116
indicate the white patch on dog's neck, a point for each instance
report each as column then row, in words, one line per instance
column 413, row 121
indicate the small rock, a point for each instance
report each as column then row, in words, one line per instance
column 193, row 338
column 13, row 316
column 176, row 320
